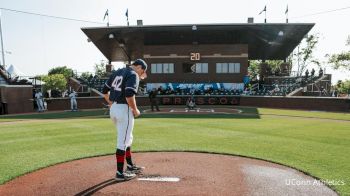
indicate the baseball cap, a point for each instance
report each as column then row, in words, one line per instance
column 140, row 62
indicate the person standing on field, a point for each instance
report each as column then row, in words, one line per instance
column 73, row 101
column 39, row 101
column 122, row 87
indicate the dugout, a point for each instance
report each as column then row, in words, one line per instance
column 198, row 55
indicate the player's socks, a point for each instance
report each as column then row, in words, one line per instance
column 120, row 156
column 128, row 157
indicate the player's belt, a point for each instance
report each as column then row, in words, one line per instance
column 119, row 102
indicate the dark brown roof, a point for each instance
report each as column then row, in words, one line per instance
column 265, row 40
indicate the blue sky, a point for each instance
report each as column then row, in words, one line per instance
column 36, row 43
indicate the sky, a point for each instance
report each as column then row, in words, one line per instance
column 35, row 44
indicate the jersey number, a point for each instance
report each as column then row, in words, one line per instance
column 117, row 82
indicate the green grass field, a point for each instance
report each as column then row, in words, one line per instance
column 317, row 143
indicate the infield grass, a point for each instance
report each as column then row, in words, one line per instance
column 317, row 143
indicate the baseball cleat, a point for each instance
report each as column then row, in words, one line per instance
column 124, row 176
column 134, row 169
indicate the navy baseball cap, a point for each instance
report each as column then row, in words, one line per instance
column 140, row 62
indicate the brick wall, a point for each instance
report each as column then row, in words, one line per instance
column 17, row 98
column 303, row 103
column 83, row 103
column 23, row 104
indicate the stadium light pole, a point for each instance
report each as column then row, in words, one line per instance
column 2, row 45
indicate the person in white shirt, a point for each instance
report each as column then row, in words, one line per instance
column 39, row 101
column 73, row 101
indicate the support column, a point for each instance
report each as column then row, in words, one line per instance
column 285, row 68
column 263, row 70
column 109, row 67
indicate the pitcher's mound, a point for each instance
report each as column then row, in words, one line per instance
column 194, row 174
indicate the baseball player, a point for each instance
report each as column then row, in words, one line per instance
column 122, row 86
column 73, row 101
column 39, row 101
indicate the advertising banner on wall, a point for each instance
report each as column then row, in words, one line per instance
column 201, row 100
column 196, row 86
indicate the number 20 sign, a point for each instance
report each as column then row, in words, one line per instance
column 195, row 56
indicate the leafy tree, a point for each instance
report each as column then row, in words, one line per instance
column 341, row 60
column 67, row 72
column 305, row 54
column 254, row 67
column 100, row 69
column 85, row 75
column 55, row 82
column 343, row 86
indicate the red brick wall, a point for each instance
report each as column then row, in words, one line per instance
column 18, row 98
column 303, row 103
column 22, row 103
column 83, row 103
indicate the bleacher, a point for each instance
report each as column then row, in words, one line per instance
column 95, row 83
column 278, row 86
column 274, row 86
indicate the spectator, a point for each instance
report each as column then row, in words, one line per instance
column 320, row 72
column 153, row 99
column 312, row 72
column 73, row 101
column 306, row 74
column 191, row 103
column 160, row 90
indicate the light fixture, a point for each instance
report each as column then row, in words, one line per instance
column 194, row 27
column 111, row 36
column 280, row 33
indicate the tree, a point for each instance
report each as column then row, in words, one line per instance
column 54, row 82
column 85, row 75
column 274, row 65
column 67, row 72
column 100, row 69
column 343, row 86
column 304, row 55
column 254, row 67
column 341, row 60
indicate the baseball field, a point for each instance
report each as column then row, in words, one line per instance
column 316, row 143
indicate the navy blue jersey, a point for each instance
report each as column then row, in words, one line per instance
column 122, row 83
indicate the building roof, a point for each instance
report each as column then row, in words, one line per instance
column 268, row 41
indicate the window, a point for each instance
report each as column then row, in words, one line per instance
column 224, row 68
column 195, row 67
column 171, row 67
column 228, row 67
column 153, row 68
column 218, row 68
column 231, row 68
column 201, row 67
column 162, row 68
column 237, row 68
column 159, row 68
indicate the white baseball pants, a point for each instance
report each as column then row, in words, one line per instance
column 123, row 120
